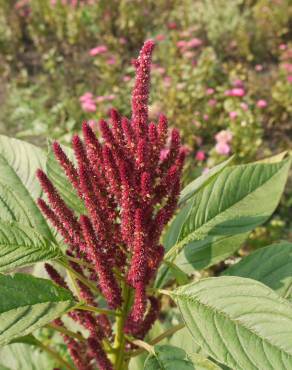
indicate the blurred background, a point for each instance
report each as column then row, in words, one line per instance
column 222, row 73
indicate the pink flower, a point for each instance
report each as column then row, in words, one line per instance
column 200, row 156
column 160, row 37
column 239, row 92
column 111, row 61
column 238, row 83
column 122, row 40
column 167, row 81
column 88, row 106
column 171, row 25
column 194, row 43
column 262, row 103
column 259, row 68
column 233, row 115
column 206, row 117
column 212, row 102
column 222, row 148
column 86, row 96
column 282, row 46
column 210, row 91
column 224, row 136
column 127, row 78
column 101, row 49
column 109, row 97
column 181, row 44
column 288, row 67
column 244, row 106
column 289, row 79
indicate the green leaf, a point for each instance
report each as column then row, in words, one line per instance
column 18, row 164
column 234, row 202
column 271, row 265
column 57, row 176
column 25, row 357
column 202, row 180
column 201, row 254
column 27, row 339
column 202, row 363
column 21, row 246
column 239, row 322
column 24, row 159
column 28, row 303
column 167, row 357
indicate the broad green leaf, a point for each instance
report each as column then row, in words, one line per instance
column 167, row 357
column 22, row 245
column 24, row 158
column 202, row 180
column 234, row 202
column 12, row 207
column 271, row 265
column 18, row 164
column 28, row 303
column 59, row 179
column 20, row 356
column 201, row 254
column 238, row 321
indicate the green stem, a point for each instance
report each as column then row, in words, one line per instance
column 56, row 356
column 156, row 340
column 78, row 276
column 63, row 330
column 119, row 342
column 97, row 310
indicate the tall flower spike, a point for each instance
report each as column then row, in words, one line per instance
column 140, row 93
column 129, row 182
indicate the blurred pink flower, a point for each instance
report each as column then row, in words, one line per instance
column 282, row 46
column 181, row 44
column 239, row 92
column 233, row 115
column 224, row 136
column 109, row 97
column 205, row 170
column 258, row 67
column 206, row 117
column 222, row 148
column 167, row 81
column 244, row 106
column 86, row 96
column 210, row 91
column 238, row 83
column 212, row 102
column 88, row 106
column 262, row 103
column 194, row 43
column 200, row 156
column 289, row 79
column 160, row 37
column 127, row 78
column 288, row 67
column 101, row 49
column 122, row 40
column 171, row 25
column 111, row 61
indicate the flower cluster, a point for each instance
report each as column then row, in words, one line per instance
column 130, row 193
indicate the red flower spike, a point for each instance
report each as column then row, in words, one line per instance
column 98, row 354
column 55, row 276
column 129, row 182
column 107, row 280
column 140, row 93
column 67, row 165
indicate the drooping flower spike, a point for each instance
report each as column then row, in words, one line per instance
column 130, row 193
